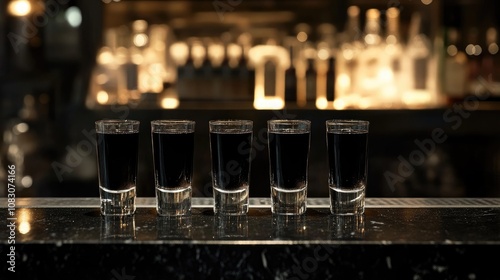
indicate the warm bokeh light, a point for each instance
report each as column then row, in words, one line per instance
column 302, row 36
column 216, row 53
column 260, row 55
column 198, row 53
column 19, row 8
column 105, row 56
column 269, row 102
column 27, row 181
column 321, row 103
column 24, row 219
column 169, row 103
column 21, row 128
column 140, row 40
column 179, row 52
column 24, row 227
column 102, row 97
column 452, row 50
column 323, row 54
column 493, row 48
column 472, row 49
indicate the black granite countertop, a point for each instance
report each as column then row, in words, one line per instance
column 400, row 238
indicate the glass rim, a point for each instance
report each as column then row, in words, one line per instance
column 347, row 122
column 281, row 121
column 117, row 121
column 230, row 122
column 172, row 121
column 289, row 126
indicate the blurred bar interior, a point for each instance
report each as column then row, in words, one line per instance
column 404, row 65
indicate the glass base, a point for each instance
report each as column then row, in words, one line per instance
column 117, row 203
column 173, row 202
column 288, row 202
column 351, row 202
column 234, row 202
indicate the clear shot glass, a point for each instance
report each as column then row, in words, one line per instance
column 173, row 147
column 117, row 151
column 288, row 142
column 347, row 145
column 230, row 151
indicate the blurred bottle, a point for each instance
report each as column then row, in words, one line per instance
column 310, row 56
column 271, row 62
column 325, row 81
column 420, row 66
column 245, row 70
column 327, row 51
column 224, row 82
column 370, row 75
column 455, row 68
column 200, row 79
column 180, row 53
column 347, row 59
column 290, row 73
column 394, row 49
column 302, row 33
column 187, row 75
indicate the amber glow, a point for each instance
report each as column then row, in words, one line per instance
column 19, row 8
column 259, row 55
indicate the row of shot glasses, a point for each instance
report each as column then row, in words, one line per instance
column 230, row 140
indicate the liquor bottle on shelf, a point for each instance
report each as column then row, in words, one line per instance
column 290, row 73
column 181, row 55
column 325, row 66
column 371, row 75
column 310, row 56
column 202, row 75
column 302, row 33
column 323, row 86
column 393, row 50
column 246, row 71
column 455, row 68
column 270, row 63
column 347, row 63
column 420, row 65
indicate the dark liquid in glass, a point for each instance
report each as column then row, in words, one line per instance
column 347, row 158
column 230, row 159
column 173, row 159
column 288, row 156
column 117, row 155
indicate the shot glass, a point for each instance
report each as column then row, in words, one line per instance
column 117, row 151
column 288, row 142
column 347, row 145
column 173, row 146
column 230, row 151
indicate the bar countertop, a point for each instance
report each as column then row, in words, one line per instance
column 396, row 238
